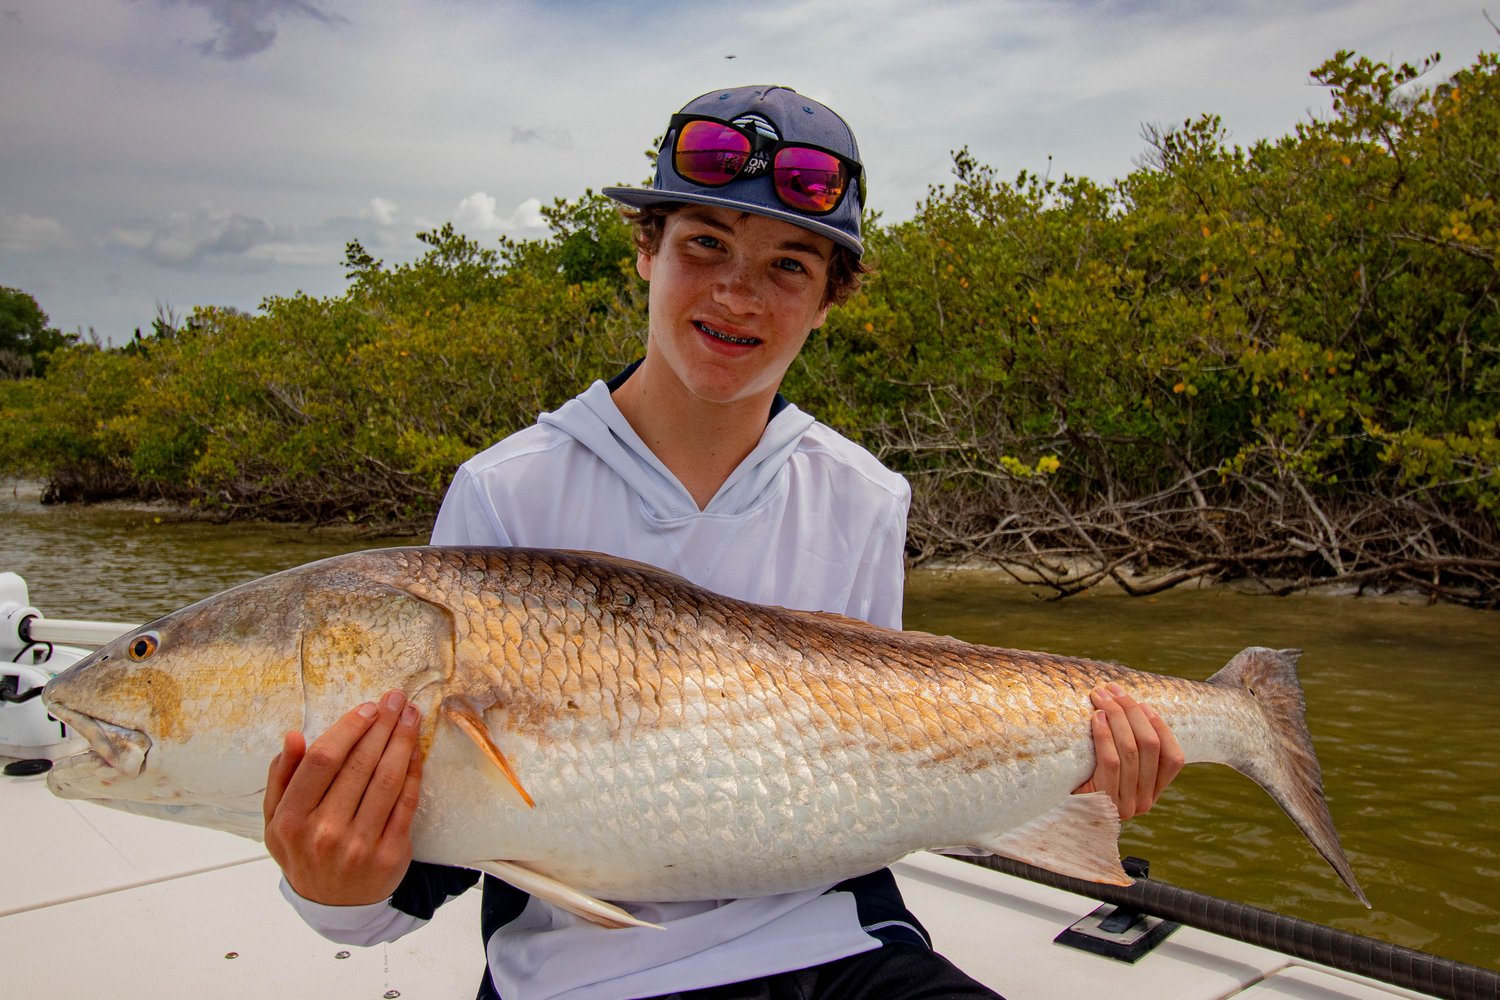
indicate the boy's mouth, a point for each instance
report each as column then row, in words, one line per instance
column 707, row 330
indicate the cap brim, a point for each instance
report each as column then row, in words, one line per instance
column 642, row 197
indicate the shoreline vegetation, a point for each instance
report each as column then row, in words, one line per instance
column 1020, row 574
column 1277, row 366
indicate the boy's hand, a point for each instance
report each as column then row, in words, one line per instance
column 338, row 813
column 1135, row 754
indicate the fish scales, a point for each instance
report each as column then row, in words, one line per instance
column 676, row 744
column 744, row 698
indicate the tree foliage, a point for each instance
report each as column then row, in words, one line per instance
column 26, row 339
column 1276, row 362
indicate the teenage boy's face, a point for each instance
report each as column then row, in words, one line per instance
column 733, row 298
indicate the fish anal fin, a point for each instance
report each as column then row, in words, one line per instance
column 562, row 896
column 1079, row 838
column 471, row 724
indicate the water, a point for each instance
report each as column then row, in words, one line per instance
column 1402, row 700
column 1403, row 705
column 135, row 562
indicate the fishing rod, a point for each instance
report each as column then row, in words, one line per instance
column 1365, row 956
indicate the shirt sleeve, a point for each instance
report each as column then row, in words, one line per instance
column 423, row 889
column 467, row 517
column 881, row 581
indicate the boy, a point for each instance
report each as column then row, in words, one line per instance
column 692, row 461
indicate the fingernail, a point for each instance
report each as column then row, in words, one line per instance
column 394, row 700
column 409, row 715
column 367, row 710
column 1115, row 688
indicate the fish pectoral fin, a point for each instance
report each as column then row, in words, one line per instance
column 469, row 722
column 564, row 897
column 1080, row 838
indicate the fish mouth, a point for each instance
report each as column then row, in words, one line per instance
column 123, row 749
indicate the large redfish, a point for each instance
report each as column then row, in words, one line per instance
column 598, row 728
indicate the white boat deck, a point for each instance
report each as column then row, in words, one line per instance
column 95, row 902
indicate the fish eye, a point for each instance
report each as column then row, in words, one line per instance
column 144, row 645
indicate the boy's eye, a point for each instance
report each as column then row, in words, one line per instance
column 789, row 264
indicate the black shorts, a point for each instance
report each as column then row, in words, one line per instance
column 896, row 971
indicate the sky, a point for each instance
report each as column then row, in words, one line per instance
column 166, row 154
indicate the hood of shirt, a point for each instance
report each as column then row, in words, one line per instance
column 594, row 421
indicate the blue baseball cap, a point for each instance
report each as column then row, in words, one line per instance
column 777, row 113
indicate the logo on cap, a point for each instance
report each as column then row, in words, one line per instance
column 759, row 158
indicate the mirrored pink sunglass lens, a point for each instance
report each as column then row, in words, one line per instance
column 809, row 180
column 709, row 153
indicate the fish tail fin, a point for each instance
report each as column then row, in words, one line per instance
column 1290, row 773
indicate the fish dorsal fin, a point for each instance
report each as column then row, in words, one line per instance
column 471, row 724
column 828, row 618
column 635, row 565
column 562, row 896
column 1079, row 838
column 836, row 620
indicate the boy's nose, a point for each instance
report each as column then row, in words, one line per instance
column 739, row 291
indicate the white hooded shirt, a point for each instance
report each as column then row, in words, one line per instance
column 808, row 520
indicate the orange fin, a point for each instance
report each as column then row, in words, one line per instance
column 462, row 715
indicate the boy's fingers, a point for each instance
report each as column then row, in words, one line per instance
column 362, row 761
column 399, row 824
column 322, row 763
column 1147, row 743
column 1135, row 754
column 1172, row 758
column 388, row 780
column 1106, row 776
column 279, row 774
column 1120, row 750
column 1153, row 757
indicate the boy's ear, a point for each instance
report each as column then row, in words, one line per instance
column 822, row 316
column 643, row 264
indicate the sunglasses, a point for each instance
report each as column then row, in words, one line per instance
column 712, row 152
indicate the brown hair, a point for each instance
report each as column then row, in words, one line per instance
column 846, row 270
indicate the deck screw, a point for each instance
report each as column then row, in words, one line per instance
column 231, row 954
column 391, row 994
column 341, row 954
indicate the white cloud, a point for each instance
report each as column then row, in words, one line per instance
column 477, row 211
column 185, row 238
column 382, row 210
column 32, row 234
column 307, row 106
